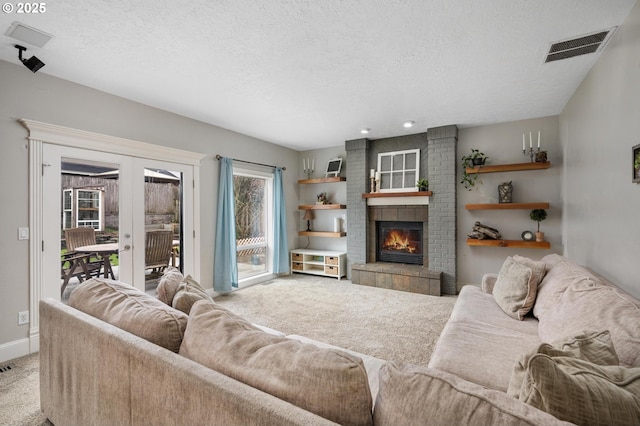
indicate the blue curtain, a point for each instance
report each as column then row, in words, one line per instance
column 225, row 264
column 280, row 245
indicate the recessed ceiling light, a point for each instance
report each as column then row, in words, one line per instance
column 28, row 34
column 408, row 124
column 365, row 131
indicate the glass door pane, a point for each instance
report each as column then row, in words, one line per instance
column 251, row 225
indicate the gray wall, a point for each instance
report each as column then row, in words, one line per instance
column 44, row 98
column 503, row 144
column 598, row 127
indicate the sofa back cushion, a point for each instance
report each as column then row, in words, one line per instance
column 132, row 310
column 586, row 305
column 168, row 285
column 189, row 292
column 560, row 274
column 330, row 383
column 413, row 395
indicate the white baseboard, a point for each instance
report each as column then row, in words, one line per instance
column 14, row 349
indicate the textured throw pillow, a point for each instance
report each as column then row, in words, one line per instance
column 168, row 285
column 538, row 269
column 189, row 292
column 132, row 310
column 412, row 395
column 595, row 347
column 330, row 383
column 581, row 392
column 515, row 289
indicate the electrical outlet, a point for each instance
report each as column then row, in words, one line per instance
column 23, row 317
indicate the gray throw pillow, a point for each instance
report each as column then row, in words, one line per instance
column 189, row 292
column 515, row 288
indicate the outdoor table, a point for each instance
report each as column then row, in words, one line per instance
column 103, row 251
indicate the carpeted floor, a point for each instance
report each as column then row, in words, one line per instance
column 387, row 324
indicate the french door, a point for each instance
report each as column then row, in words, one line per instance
column 122, row 198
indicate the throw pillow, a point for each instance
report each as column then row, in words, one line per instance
column 581, row 392
column 189, row 292
column 168, row 285
column 132, row 310
column 515, row 289
column 414, row 395
column 595, row 347
column 330, row 383
column 537, row 268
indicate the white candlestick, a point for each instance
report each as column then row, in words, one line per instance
column 372, row 172
column 523, row 146
column 538, row 138
column 377, row 175
column 313, row 164
column 530, row 141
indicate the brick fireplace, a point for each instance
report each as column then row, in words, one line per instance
column 436, row 273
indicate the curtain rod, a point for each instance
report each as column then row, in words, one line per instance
column 219, row 157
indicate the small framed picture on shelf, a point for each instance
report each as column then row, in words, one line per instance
column 635, row 159
column 333, row 167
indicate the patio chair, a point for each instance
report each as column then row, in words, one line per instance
column 158, row 247
column 80, row 265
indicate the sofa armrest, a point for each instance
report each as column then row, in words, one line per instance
column 488, row 281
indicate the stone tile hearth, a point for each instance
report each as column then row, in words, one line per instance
column 396, row 276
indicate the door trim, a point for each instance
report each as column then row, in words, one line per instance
column 43, row 133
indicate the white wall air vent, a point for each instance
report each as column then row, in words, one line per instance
column 589, row 43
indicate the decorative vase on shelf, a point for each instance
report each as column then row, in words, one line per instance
column 539, row 236
column 505, row 192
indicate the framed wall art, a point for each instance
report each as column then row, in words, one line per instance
column 635, row 160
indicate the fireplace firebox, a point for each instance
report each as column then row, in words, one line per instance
column 399, row 242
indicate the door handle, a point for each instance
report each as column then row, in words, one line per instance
column 126, row 248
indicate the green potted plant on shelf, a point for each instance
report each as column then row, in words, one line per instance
column 538, row 215
column 469, row 161
column 422, row 184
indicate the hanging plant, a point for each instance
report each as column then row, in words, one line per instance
column 469, row 161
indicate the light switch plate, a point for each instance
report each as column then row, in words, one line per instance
column 23, row 233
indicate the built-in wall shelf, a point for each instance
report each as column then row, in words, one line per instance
column 322, row 180
column 322, row 234
column 322, row 207
column 397, row 194
column 507, row 206
column 509, row 243
column 509, row 167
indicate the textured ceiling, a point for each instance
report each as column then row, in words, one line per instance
column 311, row 73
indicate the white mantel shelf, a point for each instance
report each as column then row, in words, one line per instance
column 397, row 198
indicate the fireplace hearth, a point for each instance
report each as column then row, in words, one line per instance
column 399, row 242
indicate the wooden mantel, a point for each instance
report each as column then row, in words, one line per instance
column 397, row 198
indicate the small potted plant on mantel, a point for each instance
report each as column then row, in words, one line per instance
column 475, row 159
column 422, row 184
column 538, row 215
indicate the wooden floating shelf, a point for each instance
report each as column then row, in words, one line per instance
column 322, row 207
column 509, row 243
column 397, row 194
column 509, row 167
column 507, row 206
column 322, row 234
column 323, row 180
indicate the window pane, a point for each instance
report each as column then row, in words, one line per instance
column 398, row 162
column 385, row 163
column 410, row 161
column 397, row 180
column 251, row 225
column 385, row 181
column 409, row 179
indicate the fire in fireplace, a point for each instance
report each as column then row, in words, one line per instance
column 399, row 242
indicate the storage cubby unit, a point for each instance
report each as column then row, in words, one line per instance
column 319, row 262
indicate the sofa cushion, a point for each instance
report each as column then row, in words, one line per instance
column 168, row 285
column 330, row 383
column 189, row 292
column 586, row 305
column 479, row 326
column 560, row 274
column 132, row 310
column 515, row 288
column 412, row 395
column 582, row 392
column 595, row 347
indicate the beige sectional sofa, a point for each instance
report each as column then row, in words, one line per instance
column 148, row 363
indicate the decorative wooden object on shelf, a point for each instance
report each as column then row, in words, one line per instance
column 509, row 167
column 322, row 180
column 397, row 194
column 322, row 207
column 509, row 243
column 507, row 206
column 322, row 234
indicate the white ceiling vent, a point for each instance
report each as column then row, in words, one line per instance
column 582, row 45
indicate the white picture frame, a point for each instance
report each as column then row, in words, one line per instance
column 399, row 170
column 334, row 166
